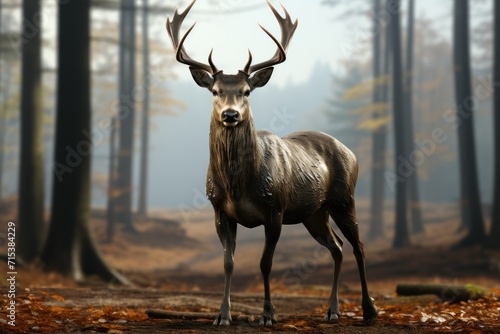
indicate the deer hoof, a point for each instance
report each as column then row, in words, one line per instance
column 267, row 321
column 219, row 321
column 332, row 316
column 370, row 316
column 268, row 318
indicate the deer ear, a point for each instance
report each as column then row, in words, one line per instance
column 201, row 77
column 261, row 77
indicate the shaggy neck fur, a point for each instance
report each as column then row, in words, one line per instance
column 234, row 156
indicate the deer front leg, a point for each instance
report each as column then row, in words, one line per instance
column 273, row 231
column 226, row 229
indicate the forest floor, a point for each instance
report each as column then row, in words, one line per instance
column 175, row 262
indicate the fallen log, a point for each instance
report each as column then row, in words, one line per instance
column 162, row 314
column 447, row 292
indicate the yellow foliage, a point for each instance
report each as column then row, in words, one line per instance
column 364, row 89
column 374, row 124
column 372, row 108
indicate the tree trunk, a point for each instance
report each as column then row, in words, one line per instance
column 110, row 231
column 494, row 237
column 401, row 237
column 70, row 247
column 3, row 117
column 31, row 178
column 379, row 134
column 143, row 182
column 413, row 189
column 126, row 115
column 472, row 216
column 3, row 121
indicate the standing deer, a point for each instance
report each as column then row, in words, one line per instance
column 256, row 178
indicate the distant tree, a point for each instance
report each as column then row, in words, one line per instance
column 3, row 128
column 413, row 188
column 472, row 216
column 110, row 231
column 379, row 136
column 143, row 178
column 494, row 237
column 401, row 237
column 6, row 111
column 126, row 115
column 31, row 180
column 433, row 88
column 341, row 108
column 70, row 247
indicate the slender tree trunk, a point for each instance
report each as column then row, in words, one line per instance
column 70, row 247
column 3, row 122
column 126, row 115
column 494, row 238
column 401, row 237
column 413, row 188
column 112, row 181
column 378, row 146
column 470, row 204
column 31, row 183
column 143, row 182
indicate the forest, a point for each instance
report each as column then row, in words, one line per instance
column 104, row 148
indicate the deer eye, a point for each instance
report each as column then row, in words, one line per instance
column 214, row 92
column 246, row 92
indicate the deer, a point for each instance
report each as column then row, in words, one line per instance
column 256, row 178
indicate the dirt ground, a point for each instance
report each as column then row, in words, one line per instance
column 175, row 262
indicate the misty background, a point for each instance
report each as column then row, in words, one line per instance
column 329, row 54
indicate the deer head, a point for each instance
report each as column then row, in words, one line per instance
column 231, row 91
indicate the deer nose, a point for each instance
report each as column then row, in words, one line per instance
column 230, row 116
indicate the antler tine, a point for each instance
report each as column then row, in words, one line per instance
column 173, row 29
column 249, row 62
column 287, row 28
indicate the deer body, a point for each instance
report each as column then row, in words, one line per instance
column 293, row 176
column 257, row 178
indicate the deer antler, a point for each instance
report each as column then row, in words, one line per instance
column 173, row 29
column 287, row 29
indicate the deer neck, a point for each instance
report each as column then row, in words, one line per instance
column 235, row 156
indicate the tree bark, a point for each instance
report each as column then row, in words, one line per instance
column 143, row 180
column 413, row 189
column 379, row 134
column 401, row 237
column 126, row 115
column 472, row 216
column 70, row 247
column 494, row 237
column 31, row 174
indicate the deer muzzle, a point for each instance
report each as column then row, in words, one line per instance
column 230, row 117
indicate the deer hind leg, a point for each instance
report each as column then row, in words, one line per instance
column 273, row 232
column 345, row 218
column 319, row 228
column 226, row 229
